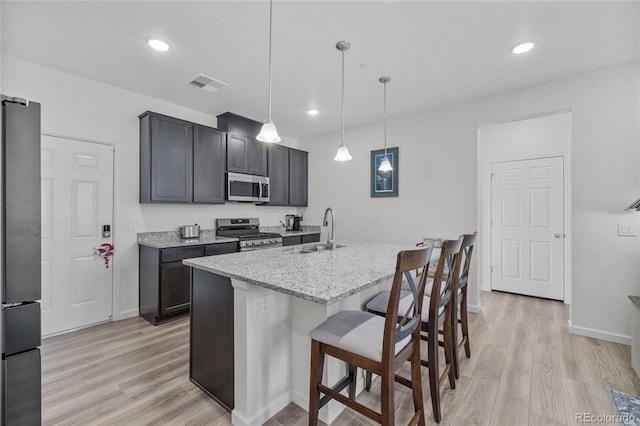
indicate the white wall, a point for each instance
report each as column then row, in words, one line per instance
column 438, row 181
column 76, row 106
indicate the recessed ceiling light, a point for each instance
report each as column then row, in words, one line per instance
column 313, row 111
column 158, row 44
column 523, row 47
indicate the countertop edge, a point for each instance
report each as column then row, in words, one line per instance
column 299, row 295
column 187, row 243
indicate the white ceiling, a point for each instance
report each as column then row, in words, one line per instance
column 436, row 52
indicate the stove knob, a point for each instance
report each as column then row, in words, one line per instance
column 265, row 241
column 250, row 243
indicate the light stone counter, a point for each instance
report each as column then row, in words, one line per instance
column 168, row 239
column 323, row 278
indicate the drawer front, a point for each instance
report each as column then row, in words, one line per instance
column 21, row 325
column 313, row 238
column 22, row 389
column 292, row 240
column 179, row 253
column 220, row 248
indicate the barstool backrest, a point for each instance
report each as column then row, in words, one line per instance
column 468, row 242
column 399, row 325
column 445, row 286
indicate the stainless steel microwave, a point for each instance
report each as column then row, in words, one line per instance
column 241, row 187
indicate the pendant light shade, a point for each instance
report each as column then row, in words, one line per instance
column 385, row 164
column 269, row 133
column 343, row 152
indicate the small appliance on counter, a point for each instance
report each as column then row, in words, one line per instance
column 190, row 231
column 288, row 222
column 297, row 218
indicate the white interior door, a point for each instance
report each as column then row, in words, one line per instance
column 527, row 232
column 77, row 200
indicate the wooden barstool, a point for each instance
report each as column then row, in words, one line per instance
column 369, row 341
column 437, row 319
column 468, row 241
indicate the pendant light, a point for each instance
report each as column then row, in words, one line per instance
column 385, row 164
column 343, row 152
column 269, row 133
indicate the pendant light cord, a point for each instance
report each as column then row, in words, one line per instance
column 385, row 120
column 342, row 98
column 270, row 30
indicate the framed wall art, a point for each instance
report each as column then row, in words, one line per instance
column 384, row 184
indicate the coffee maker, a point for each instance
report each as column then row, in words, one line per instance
column 288, row 222
column 292, row 222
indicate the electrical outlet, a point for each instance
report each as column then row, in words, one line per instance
column 130, row 226
column 627, row 230
column 262, row 305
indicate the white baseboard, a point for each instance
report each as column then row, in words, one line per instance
column 270, row 410
column 127, row 314
column 599, row 334
column 473, row 308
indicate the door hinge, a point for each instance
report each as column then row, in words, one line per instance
column 491, row 175
column 112, row 147
column 491, row 268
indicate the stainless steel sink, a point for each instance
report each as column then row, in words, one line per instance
column 315, row 248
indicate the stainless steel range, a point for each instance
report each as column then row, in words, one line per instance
column 248, row 231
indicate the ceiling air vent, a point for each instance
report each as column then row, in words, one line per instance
column 207, row 83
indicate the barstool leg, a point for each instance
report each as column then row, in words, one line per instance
column 434, row 380
column 367, row 381
column 416, row 384
column 465, row 324
column 315, row 379
column 448, row 352
column 353, row 370
column 387, row 397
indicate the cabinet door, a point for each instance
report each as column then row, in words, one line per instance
column 298, row 177
column 256, row 157
column 236, row 154
column 209, row 157
column 278, row 175
column 175, row 281
column 171, row 146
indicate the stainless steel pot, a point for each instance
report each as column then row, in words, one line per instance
column 190, row 231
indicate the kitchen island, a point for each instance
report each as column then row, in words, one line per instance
column 278, row 295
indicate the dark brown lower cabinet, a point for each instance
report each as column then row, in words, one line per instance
column 293, row 240
column 174, row 287
column 164, row 282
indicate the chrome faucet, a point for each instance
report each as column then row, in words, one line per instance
column 331, row 238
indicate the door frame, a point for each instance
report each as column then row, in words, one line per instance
column 115, row 205
column 485, row 219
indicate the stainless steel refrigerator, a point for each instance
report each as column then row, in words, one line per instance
column 20, row 262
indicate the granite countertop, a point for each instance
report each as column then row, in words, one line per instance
column 635, row 300
column 304, row 230
column 168, row 239
column 323, row 278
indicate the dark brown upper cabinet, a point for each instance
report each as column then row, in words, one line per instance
column 180, row 161
column 298, row 177
column 244, row 153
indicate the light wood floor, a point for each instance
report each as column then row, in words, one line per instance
column 525, row 369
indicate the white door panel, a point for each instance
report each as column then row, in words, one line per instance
column 77, row 199
column 527, row 233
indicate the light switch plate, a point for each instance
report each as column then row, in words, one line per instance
column 627, row 229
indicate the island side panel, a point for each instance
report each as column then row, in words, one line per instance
column 211, row 360
column 262, row 353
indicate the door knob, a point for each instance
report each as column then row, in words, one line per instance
column 556, row 235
